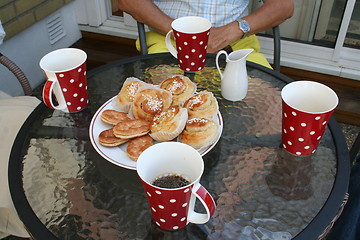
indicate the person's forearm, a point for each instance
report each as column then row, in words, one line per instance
column 270, row 14
column 147, row 12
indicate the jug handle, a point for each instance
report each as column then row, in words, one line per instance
column 217, row 60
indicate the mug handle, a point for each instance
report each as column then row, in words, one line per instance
column 169, row 45
column 207, row 201
column 48, row 93
column 217, row 60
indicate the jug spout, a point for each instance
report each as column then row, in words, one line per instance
column 239, row 54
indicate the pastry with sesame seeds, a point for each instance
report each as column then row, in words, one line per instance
column 168, row 124
column 149, row 102
column 199, row 132
column 202, row 104
column 127, row 93
column 181, row 87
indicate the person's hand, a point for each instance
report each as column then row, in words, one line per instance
column 220, row 37
column 217, row 40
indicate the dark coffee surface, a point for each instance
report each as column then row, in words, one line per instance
column 171, row 181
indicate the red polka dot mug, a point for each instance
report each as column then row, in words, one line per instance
column 66, row 85
column 306, row 109
column 191, row 37
column 173, row 208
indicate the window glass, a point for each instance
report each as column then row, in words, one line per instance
column 352, row 38
column 329, row 21
column 115, row 10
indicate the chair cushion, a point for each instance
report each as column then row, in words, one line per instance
column 4, row 95
column 13, row 113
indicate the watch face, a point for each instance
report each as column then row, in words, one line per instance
column 244, row 26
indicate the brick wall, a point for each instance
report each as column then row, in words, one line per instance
column 17, row 15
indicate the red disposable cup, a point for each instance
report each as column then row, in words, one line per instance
column 191, row 37
column 173, row 208
column 66, row 85
column 306, row 109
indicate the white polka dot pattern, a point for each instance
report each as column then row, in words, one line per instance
column 301, row 131
column 168, row 207
column 191, row 50
column 74, row 88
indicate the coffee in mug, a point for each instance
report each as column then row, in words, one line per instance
column 171, row 181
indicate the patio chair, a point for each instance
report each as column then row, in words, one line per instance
column 18, row 73
column 13, row 113
column 276, row 34
column 355, row 148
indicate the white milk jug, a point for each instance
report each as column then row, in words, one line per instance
column 234, row 80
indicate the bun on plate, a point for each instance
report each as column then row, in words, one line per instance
column 199, row 132
column 202, row 104
column 169, row 124
column 149, row 102
column 181, row 88
column 127, row 93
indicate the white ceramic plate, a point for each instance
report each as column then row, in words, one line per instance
column 118, row 155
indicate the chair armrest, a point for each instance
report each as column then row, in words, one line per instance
column 277, row 48
column 142, row 38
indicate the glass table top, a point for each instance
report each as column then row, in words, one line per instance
column 261, row 191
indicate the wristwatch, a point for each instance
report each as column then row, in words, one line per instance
column 244, row 27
